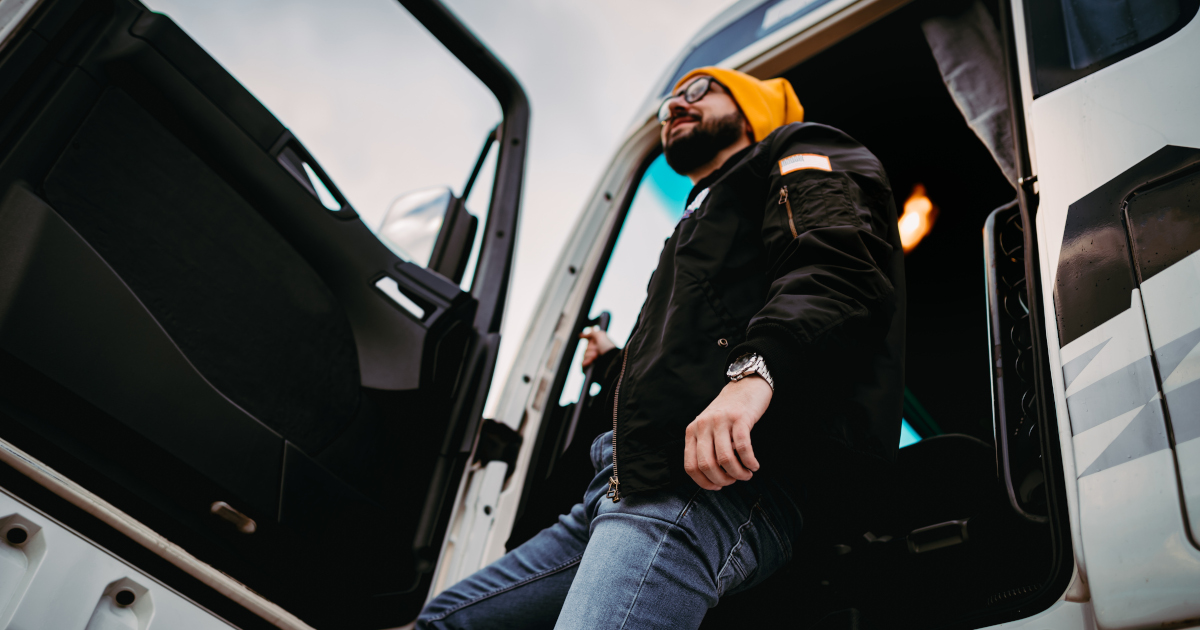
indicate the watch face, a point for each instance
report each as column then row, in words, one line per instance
column 741, row 364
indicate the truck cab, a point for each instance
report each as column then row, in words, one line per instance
column 229, row 401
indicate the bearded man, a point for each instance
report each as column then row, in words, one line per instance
column 759, row 394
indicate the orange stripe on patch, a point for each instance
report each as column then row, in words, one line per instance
column 802, row 161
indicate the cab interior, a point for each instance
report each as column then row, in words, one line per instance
column 967, row 536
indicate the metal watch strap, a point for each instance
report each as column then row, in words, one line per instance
column 758, row 366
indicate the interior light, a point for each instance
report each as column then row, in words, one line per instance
column 917, row 219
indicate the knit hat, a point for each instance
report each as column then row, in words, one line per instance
column 767, row 105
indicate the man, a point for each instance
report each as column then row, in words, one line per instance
column 776, row 310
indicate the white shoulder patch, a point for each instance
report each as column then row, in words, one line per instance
column 802, row 161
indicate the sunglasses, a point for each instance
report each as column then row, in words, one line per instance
column 693, row 92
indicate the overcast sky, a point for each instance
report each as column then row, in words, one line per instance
column 386, row 110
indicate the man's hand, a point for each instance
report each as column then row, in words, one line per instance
column 718, row 450
column 598, row 344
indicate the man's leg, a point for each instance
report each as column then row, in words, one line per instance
column 526, row 587
column 523, row 589
column 661, row 559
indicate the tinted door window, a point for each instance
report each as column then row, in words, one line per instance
column 1071, row 39
column 383, row 107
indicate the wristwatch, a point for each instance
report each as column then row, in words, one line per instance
column 749, row 364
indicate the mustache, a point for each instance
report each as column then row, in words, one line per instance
column 682, row 117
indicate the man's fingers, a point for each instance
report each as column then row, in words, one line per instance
column 727, row 459
column 589, row 355
column 741, row 444
column 593, row 347
column 690, row 466
column 706, row 461
column 717, row 450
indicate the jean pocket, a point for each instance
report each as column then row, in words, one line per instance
column 758, row 552
column 742, row 564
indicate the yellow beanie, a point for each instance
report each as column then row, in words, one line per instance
column 767, row 105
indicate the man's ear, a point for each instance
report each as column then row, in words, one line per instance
column 748, row 129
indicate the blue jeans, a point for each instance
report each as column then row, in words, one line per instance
column 657, row 559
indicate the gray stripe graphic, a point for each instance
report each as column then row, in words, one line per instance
column 1072, row 368
column 1146, row 434
column 1171, row 354
column 1184, row 405
column 1124, row 390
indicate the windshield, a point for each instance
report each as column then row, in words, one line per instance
column 761, row 21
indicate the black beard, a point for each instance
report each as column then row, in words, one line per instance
column 698, row 147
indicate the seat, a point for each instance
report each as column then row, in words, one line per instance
column 933, row 523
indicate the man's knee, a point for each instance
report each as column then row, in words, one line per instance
column 434, row 615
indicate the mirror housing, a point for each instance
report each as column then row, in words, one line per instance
column 432, row 228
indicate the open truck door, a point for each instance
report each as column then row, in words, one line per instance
column 198, row 330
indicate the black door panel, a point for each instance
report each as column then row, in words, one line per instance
column 183, row 322
column 68, row 315
column 248, row 312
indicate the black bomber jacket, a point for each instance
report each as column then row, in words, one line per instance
column 793, row 252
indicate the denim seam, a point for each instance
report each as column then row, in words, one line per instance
column 566, row 565
column 739, row 567
column 642, row 583
column 733, row 550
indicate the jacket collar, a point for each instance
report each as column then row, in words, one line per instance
column 712, row 177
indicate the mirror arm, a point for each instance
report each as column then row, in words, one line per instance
column 487, row 146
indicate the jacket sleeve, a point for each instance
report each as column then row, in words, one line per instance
column 826, row 239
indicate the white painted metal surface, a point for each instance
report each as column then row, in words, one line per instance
column 1090, row 131
column 75, row 584
column 1172, row 301
column 85, row 500
column 13, row 14
column 1127, row 517
column 1142, row 567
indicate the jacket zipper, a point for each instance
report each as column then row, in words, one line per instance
column 784, row 201
column 614, row 482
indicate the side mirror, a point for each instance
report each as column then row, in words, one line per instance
column 431, row 228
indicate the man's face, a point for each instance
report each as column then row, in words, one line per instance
column 696, row 132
